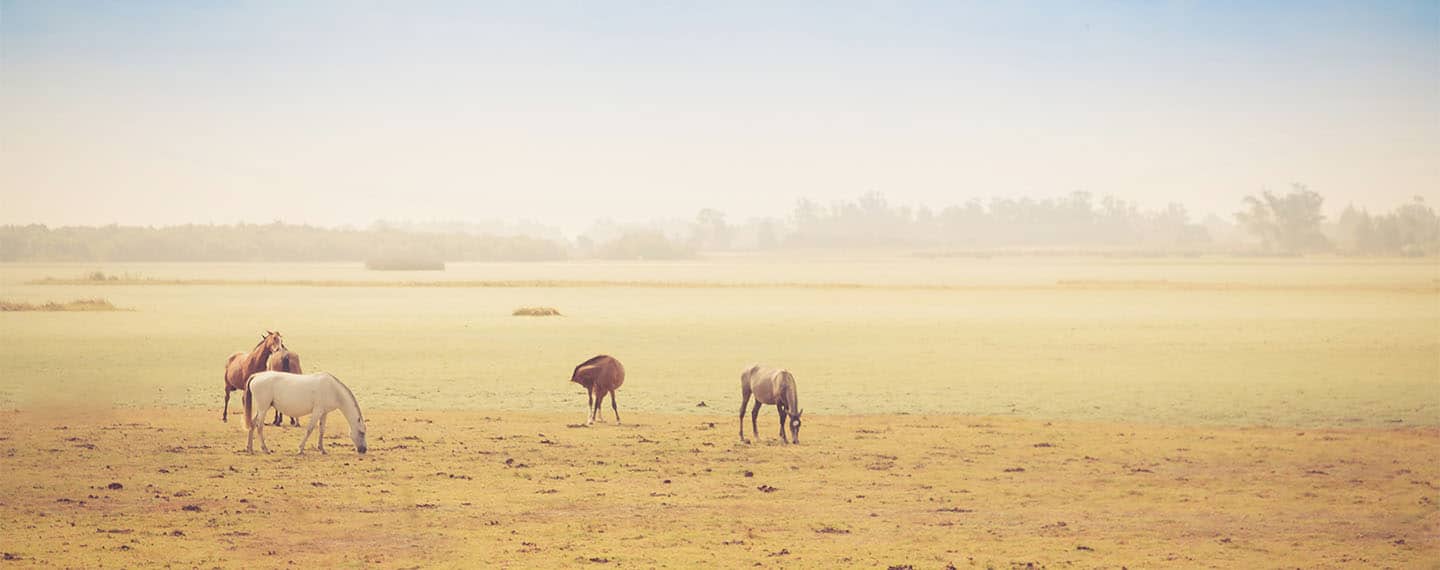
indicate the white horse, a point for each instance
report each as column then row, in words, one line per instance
column 297, row 395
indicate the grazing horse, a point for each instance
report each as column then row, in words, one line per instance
column 241, row 365
column 284, row 361
column 600, row 376
column 315, row 395
column 770, row 386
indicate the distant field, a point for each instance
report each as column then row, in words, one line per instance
column 1303, row 342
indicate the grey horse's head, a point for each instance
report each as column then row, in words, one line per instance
column 795, row 426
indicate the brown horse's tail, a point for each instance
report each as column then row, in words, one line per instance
column 249, row 416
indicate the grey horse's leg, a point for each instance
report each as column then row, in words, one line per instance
column 755, row 418
column 615, row 407
column 225, row 415
column 781, row 410
column 744, row 403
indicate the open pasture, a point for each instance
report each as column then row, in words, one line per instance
column 499, row 489
column 974, row 412
column 1288, row 342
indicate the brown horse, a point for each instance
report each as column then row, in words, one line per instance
column 600, row 376
column 284, row 361
column 241, row 365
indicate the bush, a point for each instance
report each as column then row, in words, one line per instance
column 96, row 304
column 536, row 312
column 396, row 263
column 643, row 244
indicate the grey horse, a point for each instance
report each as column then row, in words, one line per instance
column 770, row 386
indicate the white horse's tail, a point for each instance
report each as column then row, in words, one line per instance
column 249, row 415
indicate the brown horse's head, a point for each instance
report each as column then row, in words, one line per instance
column 795, row 426
column 271, row 342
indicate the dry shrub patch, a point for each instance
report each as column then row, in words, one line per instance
column 95, row 304
column 536, row 312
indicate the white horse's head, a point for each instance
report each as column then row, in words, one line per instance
column 357, row 435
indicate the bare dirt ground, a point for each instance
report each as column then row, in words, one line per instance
column 174, row 487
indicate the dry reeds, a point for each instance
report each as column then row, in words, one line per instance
column 536, row 312
column 95, row 304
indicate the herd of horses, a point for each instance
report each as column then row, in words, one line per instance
column 269, row 376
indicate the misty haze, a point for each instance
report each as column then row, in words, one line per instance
column 445, row 284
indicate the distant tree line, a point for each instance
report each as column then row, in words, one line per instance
column 1074, row 220
column 1292, row 223
column 1277, row 224
column 261, row 242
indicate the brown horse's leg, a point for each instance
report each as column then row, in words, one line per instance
column 293, row 422
column 225, row 415
column 278, row 418
column 599, row 405
column 744, row 403
column 615, row 407
column 755, row 419
column 781, row 411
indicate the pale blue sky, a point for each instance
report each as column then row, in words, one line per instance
column 562, row 112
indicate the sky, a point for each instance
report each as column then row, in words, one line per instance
column 341, row 113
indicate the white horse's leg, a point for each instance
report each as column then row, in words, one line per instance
column 314, row 419
column 320, row 438
column 250, row 440
column 260, row 430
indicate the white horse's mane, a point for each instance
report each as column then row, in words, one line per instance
column 353, row 400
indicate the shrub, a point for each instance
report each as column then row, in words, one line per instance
column 536, row 312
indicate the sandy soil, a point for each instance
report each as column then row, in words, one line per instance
column 445, row 488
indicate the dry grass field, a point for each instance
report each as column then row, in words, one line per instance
column 501, row 489
column 977, row 412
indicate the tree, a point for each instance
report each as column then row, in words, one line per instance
column 1289, row 223
column 710, row 230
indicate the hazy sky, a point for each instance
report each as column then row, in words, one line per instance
column 563, row 112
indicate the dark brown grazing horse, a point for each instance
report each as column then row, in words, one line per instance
column 600, row 376
column 284, row 361
column 241, row 365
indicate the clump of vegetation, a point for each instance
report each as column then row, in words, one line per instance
column 95, row 304
column 536, row 312
column 101, row 276
column 401, row 263
column 643, row 244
